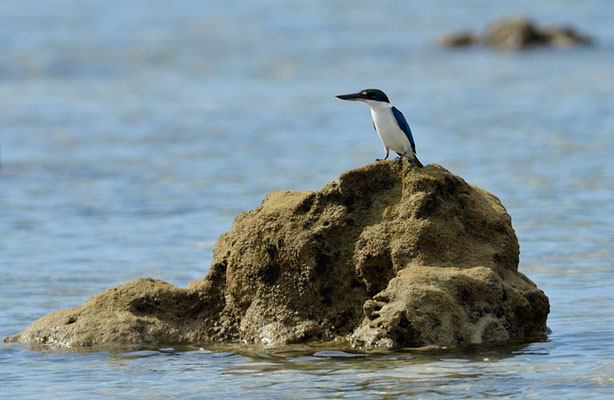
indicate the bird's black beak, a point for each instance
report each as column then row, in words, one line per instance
column 350, row 97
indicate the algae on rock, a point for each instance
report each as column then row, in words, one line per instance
column 386, row 255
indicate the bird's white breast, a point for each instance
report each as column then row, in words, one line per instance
column 390, row 134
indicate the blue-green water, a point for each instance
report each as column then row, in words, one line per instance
column 133, row 132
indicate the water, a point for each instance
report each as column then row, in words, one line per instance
column 133, row 132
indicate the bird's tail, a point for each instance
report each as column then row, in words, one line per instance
column 418, row 163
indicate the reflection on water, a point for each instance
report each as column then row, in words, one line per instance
column 308, row 371
column 133, row 133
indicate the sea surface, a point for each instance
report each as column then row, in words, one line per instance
column 132, row 133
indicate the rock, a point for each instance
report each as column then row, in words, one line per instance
column 517, row 33
column 386, row 255
column 565, row 36
column 458, row 39
column 140, row 311
column 513, row 33
column 426, row 305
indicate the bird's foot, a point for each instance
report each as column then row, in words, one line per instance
column 398, row 160
column 379, row 159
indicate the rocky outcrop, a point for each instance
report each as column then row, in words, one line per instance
column 386, row 255
column 516, row 33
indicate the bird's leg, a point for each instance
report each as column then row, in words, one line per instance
column 399, row 158
column 385, row 158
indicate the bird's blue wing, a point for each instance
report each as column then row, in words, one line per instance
column 404, row 126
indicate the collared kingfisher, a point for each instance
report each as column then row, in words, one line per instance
column 389, row 123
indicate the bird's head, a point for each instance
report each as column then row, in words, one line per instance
column 366, row 95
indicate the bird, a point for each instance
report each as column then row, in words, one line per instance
column 389, row 123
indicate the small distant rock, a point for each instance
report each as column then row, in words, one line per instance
column 458, row 39
column 565, row 37
column 513, row 33
column 386, row 255
column 516, row 33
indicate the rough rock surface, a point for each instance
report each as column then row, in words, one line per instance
column 386, row 255
column 516, row 33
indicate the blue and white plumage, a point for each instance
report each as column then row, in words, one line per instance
column 389, row 123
